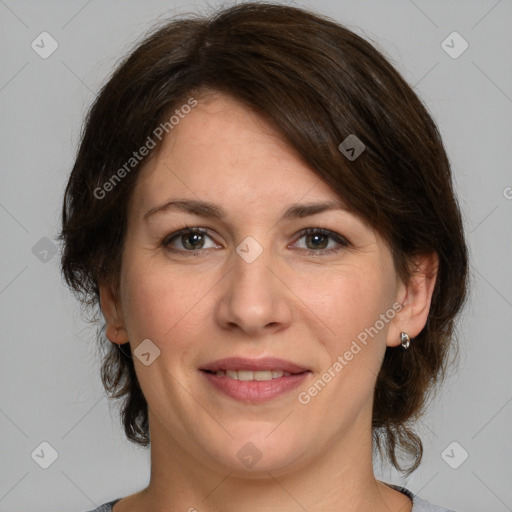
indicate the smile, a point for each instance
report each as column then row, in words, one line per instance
column 248, row 375
column 253, row 381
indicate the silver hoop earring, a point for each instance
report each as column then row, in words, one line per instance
column 405, row 340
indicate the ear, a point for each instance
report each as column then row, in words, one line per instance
column 415, row 297
column 112, row 311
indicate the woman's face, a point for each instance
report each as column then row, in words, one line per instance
column 273, row 267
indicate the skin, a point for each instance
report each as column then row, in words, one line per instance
column 288, row 303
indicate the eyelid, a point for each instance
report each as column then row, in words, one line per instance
column 338, row 238
column 166, row 242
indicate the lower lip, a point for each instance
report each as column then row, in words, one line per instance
column 253, row 391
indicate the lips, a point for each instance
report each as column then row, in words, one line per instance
column 254, row 380
column 253, row 365
column 253, row 375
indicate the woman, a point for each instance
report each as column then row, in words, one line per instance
column 263, row 210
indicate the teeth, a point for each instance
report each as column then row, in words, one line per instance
column 250, row 375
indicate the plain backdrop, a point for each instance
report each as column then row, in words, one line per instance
column 50, row 390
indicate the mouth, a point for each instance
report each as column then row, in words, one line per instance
column 248, row 375
column 254, row 380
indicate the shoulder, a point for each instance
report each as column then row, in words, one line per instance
column 106, row 507
column 419, row 504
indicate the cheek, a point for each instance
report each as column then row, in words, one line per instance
column 348, row 302
column 159, row 304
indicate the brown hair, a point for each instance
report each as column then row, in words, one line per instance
column 316, row 82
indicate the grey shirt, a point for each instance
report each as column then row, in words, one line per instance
column 418, row 505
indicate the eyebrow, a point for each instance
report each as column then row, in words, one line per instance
column 207, row 209
column 201, row 208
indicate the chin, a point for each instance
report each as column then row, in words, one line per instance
column 255, row 456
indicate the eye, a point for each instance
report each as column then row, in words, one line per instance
column 189, row 240
column 317, row 241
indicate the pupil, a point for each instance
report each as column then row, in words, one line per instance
column 190, row 240
column 319, row 241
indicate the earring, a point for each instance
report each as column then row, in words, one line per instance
column 405, row 340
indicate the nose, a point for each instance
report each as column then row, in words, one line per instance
column 254, row 299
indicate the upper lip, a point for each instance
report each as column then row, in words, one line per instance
column 241, row 363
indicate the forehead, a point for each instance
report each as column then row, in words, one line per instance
column 222, row 151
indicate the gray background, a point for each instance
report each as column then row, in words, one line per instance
column 50, row 388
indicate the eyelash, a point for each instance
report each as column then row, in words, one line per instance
column 342, row 241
